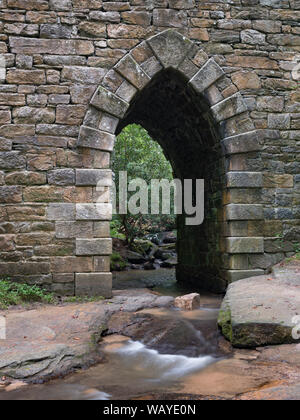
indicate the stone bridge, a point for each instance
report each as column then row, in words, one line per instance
column 215, row 82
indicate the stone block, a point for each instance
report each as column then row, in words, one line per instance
column 101, row 264
column 108, row 102
column 99, row 211
column 101, row 230
column 94, row 177
column 235, row 275
column 244, row 212
column 206, row 76
column 252, row 37
column 170, row 18
column 96, row 139
column 84, row 75
column 10, row 194
column 126, row 91
column 70, row 230
column 279, row 121
column 129, row 69
column 244, row 245
column 12, row 160
column 170, row 48
column 246, row 80
column 89, row 247
column 242, row 143
column 96, row 284
column 244, row 180
column 188, row 302
column 229, row 107
column 61, row 177
column 70, row 114
column 61, row 211
column 271, row 180
column 32, row 46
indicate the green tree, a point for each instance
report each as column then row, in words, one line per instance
column 142, row 157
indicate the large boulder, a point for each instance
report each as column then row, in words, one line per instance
column 262, row 310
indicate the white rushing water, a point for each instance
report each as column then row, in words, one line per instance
column 158, row 367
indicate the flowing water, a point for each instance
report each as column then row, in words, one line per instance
column 177, row 346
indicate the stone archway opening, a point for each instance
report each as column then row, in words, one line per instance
column 187, row 102
column 180, row 120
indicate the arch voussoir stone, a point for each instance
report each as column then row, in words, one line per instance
column 170, row 48
column 104, row 100
column 96, row 139
column 131, row 71
column 229, row 107
column 206, row 76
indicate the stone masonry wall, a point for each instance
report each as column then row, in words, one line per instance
column 56, row 53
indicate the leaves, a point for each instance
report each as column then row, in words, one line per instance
column 142, row 157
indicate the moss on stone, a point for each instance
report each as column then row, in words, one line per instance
column 224, row 322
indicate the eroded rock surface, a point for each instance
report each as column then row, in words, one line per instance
column 263, row 310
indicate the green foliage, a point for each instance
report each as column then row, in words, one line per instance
column 142, row 157
column 115, row 228
column 17, row 294
column 83, row 299
column 117, row 262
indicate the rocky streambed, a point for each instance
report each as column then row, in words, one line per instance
column 139, row 346
column 150, row 253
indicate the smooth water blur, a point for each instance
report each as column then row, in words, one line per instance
column 133, row 369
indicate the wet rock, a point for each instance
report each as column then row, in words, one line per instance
column 188, row 302
column 149, row 266
column 262, row 310
column 170, row 263
column 135, row 257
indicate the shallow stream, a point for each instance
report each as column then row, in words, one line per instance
column 167, row 360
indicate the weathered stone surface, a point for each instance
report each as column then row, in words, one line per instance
column 246, row 80
column 242, row 143
column 206, row 76
column 169, row 18
column 93, row 247
column 29, row 115
column 96, row 284
column 128, row 68
column 96, row 139
column 70, row 114
column 188, row 302
column 94, row 29
column 50, row 46
column 108, row 102
column 244, row 245
column 170, row 48
column 244, row 212
column 26, row 76
column 84, row 75
column 253, row 37
column 67, row 230
column 244, row 180
column 99, row 211
column 244, row 65
column 94, row 177
column 60, row 211
column 61, row 177
column 259, row 311
column 230, row 107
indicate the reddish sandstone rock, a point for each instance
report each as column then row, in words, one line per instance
column 188, row 302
